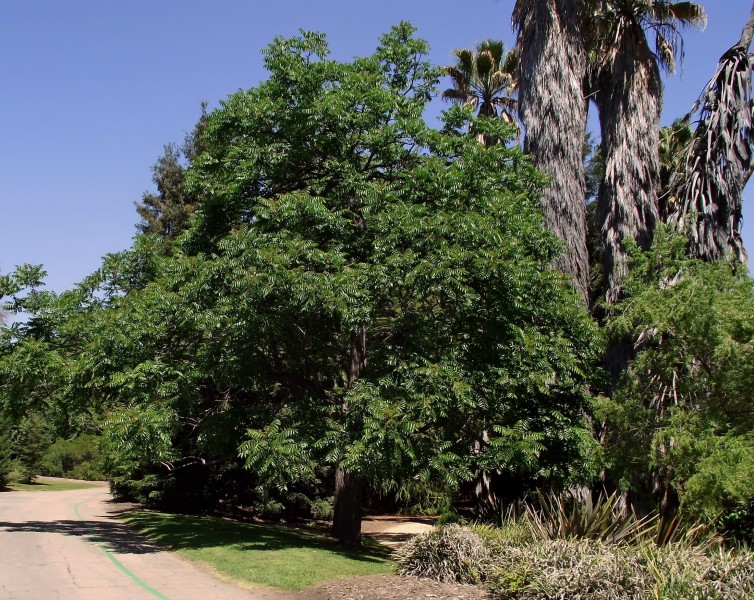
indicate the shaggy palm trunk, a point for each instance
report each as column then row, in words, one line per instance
column 553, row 109
column 346, row 524
column 628, row 94
column 708, row 190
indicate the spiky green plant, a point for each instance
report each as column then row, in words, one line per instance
column 567, row 516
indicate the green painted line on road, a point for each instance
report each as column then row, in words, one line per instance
column 116, row 562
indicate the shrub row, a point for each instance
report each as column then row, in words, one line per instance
column 580, row 569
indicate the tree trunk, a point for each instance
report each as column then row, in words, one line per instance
column 553, row 109
column 747, row 33
column 346, row 525
column 628, row 94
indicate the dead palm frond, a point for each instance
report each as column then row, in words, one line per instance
column 706, row 191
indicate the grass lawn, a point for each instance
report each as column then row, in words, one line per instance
column 44, row 484
column 269, row 555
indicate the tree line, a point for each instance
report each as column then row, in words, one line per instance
column 330, row 303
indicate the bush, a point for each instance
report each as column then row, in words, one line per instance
column 571, row 516
column 679, row 573
column 28, row 442
column 322, row 509
column 722, row 488
column 450, row 554
column 516, row 566
column 584, row 569
column 78, row 458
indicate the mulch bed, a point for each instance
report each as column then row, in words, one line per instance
column 390, row 587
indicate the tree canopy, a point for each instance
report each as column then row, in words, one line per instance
column 360, row 298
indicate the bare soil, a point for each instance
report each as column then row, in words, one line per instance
column 390, row 587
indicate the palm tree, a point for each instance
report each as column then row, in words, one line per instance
column 720, row 158
column 674, row 143
column 484, row 78
column 553, row 109
column 626, row 86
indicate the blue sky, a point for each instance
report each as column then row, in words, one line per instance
column 90, row 91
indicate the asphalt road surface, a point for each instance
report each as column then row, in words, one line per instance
column 70, row 546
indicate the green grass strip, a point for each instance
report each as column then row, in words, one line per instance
column 272, row 556
column 116, row 562
column 49, row 485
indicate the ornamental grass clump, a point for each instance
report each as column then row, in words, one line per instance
column 681, row 572
column 514, row 564
column 580, row 569
column 451, row 553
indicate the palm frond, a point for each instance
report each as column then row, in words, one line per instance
column 465, row 60
column 455, row 95
column 708, row 186
column 485, row 64
column 685, row 13
column 495, row 47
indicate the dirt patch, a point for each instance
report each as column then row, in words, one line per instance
column 392, row 531
column 391, row 587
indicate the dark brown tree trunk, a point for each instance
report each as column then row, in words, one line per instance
column 346, row 525
column 553, row 109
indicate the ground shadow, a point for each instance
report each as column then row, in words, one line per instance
column 392, row 540
column 183, row 532
column 112, row 536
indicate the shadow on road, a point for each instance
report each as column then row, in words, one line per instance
column 114, row 537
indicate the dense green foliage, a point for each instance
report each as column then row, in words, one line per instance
column 683, row 410
column 357, row 291
column 6, row 464
column 77, row 458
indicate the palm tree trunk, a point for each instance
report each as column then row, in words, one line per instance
column 553, row 109
column 709, row 187
column 628, row 95
column 747, row 33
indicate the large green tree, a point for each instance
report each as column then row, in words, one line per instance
column 392, row 298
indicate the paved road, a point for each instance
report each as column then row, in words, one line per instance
column 69, row 546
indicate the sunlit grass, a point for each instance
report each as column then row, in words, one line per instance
column 50, row 484
column 265, row 555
